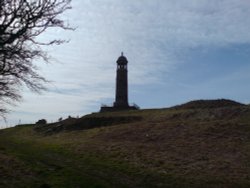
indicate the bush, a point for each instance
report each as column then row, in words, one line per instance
column 41, row 122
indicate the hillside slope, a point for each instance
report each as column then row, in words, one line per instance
column 175, row 147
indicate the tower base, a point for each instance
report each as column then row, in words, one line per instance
column 117, row 108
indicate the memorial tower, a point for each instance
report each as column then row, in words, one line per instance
column 121, row 95
column 121, row 91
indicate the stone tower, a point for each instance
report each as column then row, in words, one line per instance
column 121, row 93
column 121, row 97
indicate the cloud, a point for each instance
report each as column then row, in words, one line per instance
column 156, row 37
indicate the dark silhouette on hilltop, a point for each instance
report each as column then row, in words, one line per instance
column 121, row 97
column 41, row 122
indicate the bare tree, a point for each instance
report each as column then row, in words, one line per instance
column 21, row 22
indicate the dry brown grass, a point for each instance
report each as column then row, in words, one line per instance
column 176, row 147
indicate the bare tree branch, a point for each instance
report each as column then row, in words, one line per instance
column 21, row 22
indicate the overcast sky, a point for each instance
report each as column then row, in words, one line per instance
column 178, row 51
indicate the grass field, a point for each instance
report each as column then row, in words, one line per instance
column 184, row 146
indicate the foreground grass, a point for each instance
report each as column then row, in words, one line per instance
column 37, row 161
column 166, row 148
column 31, row 160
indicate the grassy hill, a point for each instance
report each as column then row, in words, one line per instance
column 202, row 143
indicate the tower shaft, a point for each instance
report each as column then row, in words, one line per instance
column 121, row 98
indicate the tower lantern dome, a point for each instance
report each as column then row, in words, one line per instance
column 122, row 60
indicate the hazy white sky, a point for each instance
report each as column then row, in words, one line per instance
column 177, row 50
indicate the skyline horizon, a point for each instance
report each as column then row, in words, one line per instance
column 108, row 105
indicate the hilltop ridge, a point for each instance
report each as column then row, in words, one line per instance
column 222, row 108
column 217, row 103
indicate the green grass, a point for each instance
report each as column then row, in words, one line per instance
column 50, row 163
column 167, row 148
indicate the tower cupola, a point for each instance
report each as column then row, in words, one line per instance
column 122, row 60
